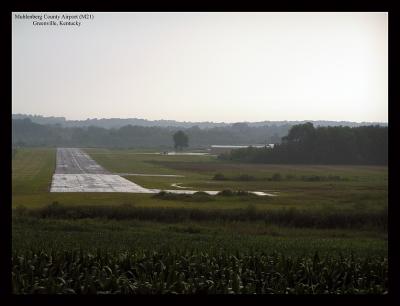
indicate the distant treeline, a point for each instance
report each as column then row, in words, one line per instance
column 27, row 133
column 323, row 145
column 116, row 123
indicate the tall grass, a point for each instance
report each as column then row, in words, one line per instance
column 276, row 177
column 285, row 217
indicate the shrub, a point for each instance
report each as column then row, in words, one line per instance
column 162, row 193
column 201, row 193
column 226, row 193
column 199, row 196
column 336, row 178
column 219, row 177
column 21, row 211
column 290, row 177
column 276, row 177
column 224, row 156
column 190, row 229
column 310, row 178
column 251, row 211
column 318, row 178
column 246, row 177
column 54, row 209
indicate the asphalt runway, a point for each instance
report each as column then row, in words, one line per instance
column 78, row 172
column 75, row 161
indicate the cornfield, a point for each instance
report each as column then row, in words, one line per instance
column 194, row 272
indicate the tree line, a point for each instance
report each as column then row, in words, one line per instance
column 28, row 133
column 116, row 123
column 306, row 144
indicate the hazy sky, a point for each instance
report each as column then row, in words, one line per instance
column 204, row 67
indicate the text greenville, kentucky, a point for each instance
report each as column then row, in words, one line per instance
column 49, row 19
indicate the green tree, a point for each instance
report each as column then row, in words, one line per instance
column 181, row 140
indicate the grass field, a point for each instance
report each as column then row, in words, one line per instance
column 32, row 170
column 288, row 224
column 365, row 187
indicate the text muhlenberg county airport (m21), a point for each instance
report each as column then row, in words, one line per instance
column 55, row 19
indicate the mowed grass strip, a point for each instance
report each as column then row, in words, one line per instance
column 32, row 170
column 232, row 168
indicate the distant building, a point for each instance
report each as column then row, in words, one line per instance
column 218, row 149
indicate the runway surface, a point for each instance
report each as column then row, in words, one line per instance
column 75, row 161
column 78, row 172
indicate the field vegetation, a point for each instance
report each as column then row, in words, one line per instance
column 325, row 231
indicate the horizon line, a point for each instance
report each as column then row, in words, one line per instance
column 205, row 121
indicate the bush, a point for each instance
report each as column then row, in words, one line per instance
column 21, row 211
column 199, row 196
column 164, row 195
column 224, row 156
column 315, row 178
column 290, row 177
column 246, row 177
column 276, row 177
column 161, row 194
column 336, row 178
column 54, row 209
column 190, row 229
column 226, row 193
column 251, row 212
column 318, row 178
column 219, row 177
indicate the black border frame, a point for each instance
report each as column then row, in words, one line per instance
column 5, row 170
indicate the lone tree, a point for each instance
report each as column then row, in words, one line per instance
column 181, row 140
